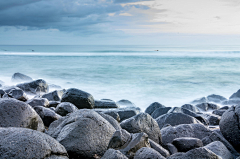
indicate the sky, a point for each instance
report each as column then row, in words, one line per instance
column 119, row 22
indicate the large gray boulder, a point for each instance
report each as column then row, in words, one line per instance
column 38, row 102
column 160, row 111
column 120, row 139
column 102, row 104
column 26, row 143
column 84, row 133
column 184, row 144
column 14, row 113
column 111, row 120
column 143, row 122
column 152, row 107
column 34, row 87
column 19, row 77
column 113, row 154
column 65, row 108
column 147, row 152
column 219, row 149
column 79, row 98
column 54, row 96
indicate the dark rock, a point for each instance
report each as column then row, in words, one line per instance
column 231, row 102
column 218, row 112
column 2, row 92
column 171, row 148
column 147, row 152
column 200, row 100
column 35, row 87
column 216, row 98
column 19, row 77
column 219, row 149
column 111, row 120
column 125, row 114
column 8, row 89
column 120, row 139
column 175, row 119
column 79, row 98
column 214, row 119
column 229, row 126
column 185, row 144
column 235, row 95
column 38, row 102
column 14, row 113
column 47, row 115
column 18, row 94
column 54, row 103
column 151, row 108
column 113, row 114
column 197, row 116
column 191, row 108
column 84, row 133
column 113, row 154
column 207, row 106
column 52, row 108
column 160, row 111
column 224, row 108
column 105, row 104
column 159, row 148
column 54, row 96
column 143, row 122
column 26, row 143
column 125, row 102
column 64, row 108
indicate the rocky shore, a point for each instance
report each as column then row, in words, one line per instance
column 36, row 123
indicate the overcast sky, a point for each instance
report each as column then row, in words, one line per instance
column 119, row 22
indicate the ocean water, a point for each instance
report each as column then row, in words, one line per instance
column 173, row 75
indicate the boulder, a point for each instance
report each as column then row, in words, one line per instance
column 160, row 111
column 14, row 113
column 79, row 98
column 8, row 89
column 111, row 120
column 219, row 149
column 216, row 98
column 125, row 114
column 151, row 108
column 126, row 103
column 200, row 100
column 143, row 122
column 102, row 104
column 19, row 77
column 224, row 108
column 218, row 112
column 84, row 133
column 113, row 154
column 184, row 144
column 231, row 102
column 207, row 106
column 214, row 119
column 175, row 119
column 113, row 114
column 53, row 103
column 235, row 95
column 54, row 96
column 52, row 108
column 34, row 87
column 191, row 108
column 159, row 148
column 2, row 92
column 18, row 94
column 229, row 126
column 171, row 148
column 47, row 115
column 147, row 152
column 26, row 143
column 64, row 108
column 38, row 102
column 120, row 139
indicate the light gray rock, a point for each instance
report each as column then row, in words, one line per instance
column 19, row 77
column 147, row 152
column 216, row 98
column 200, row 100
column 18, row 94
column 235, row 95
column 38, row 102
column 219, row 149
column 111, row 120
column 113, row 154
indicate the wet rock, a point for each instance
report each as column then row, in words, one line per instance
column 159, row 148
column 160, row 111
column 14, row 113
column 200, row 100
column 171, row 148
column 79, row 98
column 38, row 102
column 54, row 96
column 84, row 133
column 47, row 115
column 216, row 98
column 64, row 108
column 175, row 119
column 224, row 108
column 214, row 119
column 151, row 108
column 191, row 108
column 2, row 92
column 19, row 77
column 26, row 143
column 143, row 122
column 113, row 154
column 35, row 87
column 235, row 95
column 218, row 112
column 111, row 120
column 125, row 114
column 53, row 103
column 8, row 89
column 120, row 139
column 147, row 152
column 52, row 108
column 105, row 104
column 207, row 106
column 18, row 94
column 219, row 149
column 113, row 114
column 185, row 144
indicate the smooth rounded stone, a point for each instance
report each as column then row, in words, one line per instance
column 19, row 77
column 18, row 94
column 175, row 119
column 84, row 133
column 152, row 107
column 105, row 104
column 160, row 111
column 111, row 120
column 216, row 98
column 219, row 149
column 113, row 114
column 26, row 143
column 200, row 100
column 235, row 95
column 231, row 102
column 185, row 144
column 38, row 102
column 2, row 92
column 207, row 106
column 126, row 103
column 218, row 112
column 171, row 148
column 53, row 103
column 47, row 115
column 229, row 126
column 120, row 139
column 224, row 108
column 214, row 119
column 184, row 130
column 143, row 122
column 159, row 148
column 191, row 108
column 34, row 87
column 81, row 99
column 14, row 113
column 147, row 152
column 54, row 96
column 64, row 108
column 113, row 154
column 138, row 141
column 198, row 153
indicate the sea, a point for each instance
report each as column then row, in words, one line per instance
column 170, row 75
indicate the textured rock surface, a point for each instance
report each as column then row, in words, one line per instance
column 34, row 87
column 214, row 119
column 219, row 149
column 38, row 102
column 120, row 139
column 111, row 120
column 160, row 111
column 146, row 152
column 18, row 94
column 190, row 107
column 54, row 96
column 64, row 108
column 113, row 154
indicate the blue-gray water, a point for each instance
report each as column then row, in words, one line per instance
column 172, row 76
